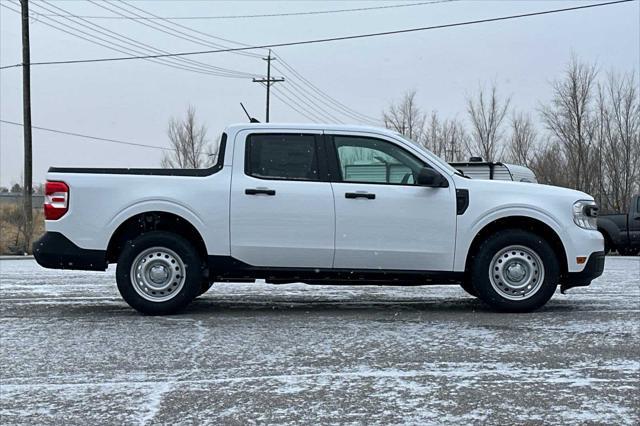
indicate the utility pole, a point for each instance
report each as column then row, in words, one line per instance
column 26, row 121
column 268, row 81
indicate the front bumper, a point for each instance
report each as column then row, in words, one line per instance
column 54, row 250
column 592, row 270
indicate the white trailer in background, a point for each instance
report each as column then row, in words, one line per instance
column 478, row 169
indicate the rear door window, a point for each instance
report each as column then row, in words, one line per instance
column 282, row 156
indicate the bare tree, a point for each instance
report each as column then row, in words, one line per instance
column 487, row 113
column 406, row 118
column 618, row 138
column 590, row 138
column 570, row 120
column 188, row 140
column 522, row 143
column 445, row 138
column 550, row 165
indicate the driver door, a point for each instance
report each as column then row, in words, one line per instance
column 384, row 221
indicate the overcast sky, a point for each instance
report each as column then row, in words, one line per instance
column 133, row 100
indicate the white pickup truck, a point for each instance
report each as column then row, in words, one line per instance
column 319, row 204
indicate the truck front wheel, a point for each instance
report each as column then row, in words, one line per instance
column 159, row 273
column 515, row 271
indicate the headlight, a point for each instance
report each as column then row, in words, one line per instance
column 585, row 214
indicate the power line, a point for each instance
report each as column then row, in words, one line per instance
column 306, row 107
column 166, row 29
column 271, row 15
column 309, row 106
column 348, row 111
column 310, row 101
column 303, row 91
column 107, row 43
column 328, row 39
column 298, row 108
column 320, row 98
column 80, row 135
column 155, row 27
column 192, row 38
column 130, row 44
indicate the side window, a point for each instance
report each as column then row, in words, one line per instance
column 363, row 159
column 281, row 156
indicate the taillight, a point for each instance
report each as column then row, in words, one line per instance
column 56, row 200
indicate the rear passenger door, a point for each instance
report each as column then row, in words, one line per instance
column 282, row 212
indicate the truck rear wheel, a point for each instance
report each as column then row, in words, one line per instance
column 159, row 273
column 515, row 271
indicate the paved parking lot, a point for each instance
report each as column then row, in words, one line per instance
column 72, row 352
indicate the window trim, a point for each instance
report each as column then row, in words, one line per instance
column 320, row 159
column 334, row 160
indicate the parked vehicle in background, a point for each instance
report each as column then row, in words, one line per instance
column 475, row 168
column 622, row 231
column 319, row 204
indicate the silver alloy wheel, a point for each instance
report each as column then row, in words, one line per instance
column 516, row 272
column 157, row 274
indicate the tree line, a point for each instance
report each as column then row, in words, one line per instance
column 587, row 137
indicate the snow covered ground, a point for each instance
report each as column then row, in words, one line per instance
column 72, row 352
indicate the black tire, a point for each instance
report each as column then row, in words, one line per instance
column 468, row 287
column 608, row 247
column 189, row 280
column 627, row 251
column 493, row 254
column 205, row 285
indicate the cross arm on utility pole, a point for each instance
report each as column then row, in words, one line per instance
column 264, row 80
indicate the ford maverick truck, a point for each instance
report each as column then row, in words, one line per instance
column 319, row 204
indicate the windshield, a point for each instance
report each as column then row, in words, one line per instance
column 431, row 155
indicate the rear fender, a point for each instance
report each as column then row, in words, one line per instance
column 157, row 205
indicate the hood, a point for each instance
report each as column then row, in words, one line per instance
column 519, row 189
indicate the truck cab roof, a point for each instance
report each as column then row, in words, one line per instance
column 310, row 126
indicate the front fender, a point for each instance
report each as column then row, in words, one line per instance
column 514, row 211
column 467, row 231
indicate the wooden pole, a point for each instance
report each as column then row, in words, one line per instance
column 27, row 190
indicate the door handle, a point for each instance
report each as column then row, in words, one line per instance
column 366, row 195
column 259, row 191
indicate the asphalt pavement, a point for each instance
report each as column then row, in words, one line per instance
column 72, row 352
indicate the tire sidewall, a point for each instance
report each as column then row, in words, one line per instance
column 468, row 287
column 498, row 241
column 193, row 272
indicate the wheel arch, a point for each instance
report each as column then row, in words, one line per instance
column 149, row 221
column 527, row 223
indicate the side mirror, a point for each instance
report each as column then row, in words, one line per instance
column 431, row 178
